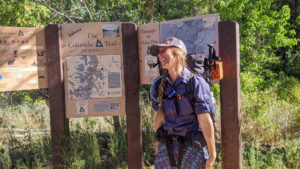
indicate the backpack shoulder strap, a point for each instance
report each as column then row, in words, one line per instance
column 190, row 91
column 191, row 96
column 155, row 84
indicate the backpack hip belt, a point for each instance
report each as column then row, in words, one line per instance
column 195, row 138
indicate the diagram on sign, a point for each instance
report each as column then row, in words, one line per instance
column 196, row 34
column 150, row 64
column 94, row 76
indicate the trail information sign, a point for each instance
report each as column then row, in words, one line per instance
column 23, row 64
column 93, row 69
column 195, row 32
column 147, row 35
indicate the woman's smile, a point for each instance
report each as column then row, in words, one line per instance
column 163, row 61
column 166, row 57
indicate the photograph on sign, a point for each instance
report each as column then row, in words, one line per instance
column 95, row 76
column 23, row 63
column 110, row 30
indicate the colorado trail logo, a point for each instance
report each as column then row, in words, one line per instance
column 81, row 110
column 21, row 33
column 99, row 43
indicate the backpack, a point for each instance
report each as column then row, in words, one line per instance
column 207, row 67
column 200, row 64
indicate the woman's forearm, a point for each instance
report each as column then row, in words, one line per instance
column 207, row 127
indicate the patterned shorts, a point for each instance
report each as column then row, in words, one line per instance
column 192, row 158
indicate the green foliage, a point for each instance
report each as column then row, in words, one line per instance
column 267, row 118
column 94, row 11
column 170, row 9
column 117, row 146
column 292, row 155
column 287, row 156
column 87, row 148
column 290, row 62
column 148, row 142
column 124, row 10
column 5, row 161
column 215, row 88
column 36, row 97
column 26, row 152
column 23, row 13
column 83, row 150
column 288, row 88
column 264, row 30
column 25, row 116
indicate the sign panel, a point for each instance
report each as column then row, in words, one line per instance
column 147, row 36
column 23, row 63
column 93, row 57
column 195, row 32
column 91, row 39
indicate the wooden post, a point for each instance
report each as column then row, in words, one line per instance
column 131, row 77
column 58, row 122
column 229, row 49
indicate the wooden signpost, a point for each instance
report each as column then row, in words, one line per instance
column 230, row 95
column 133, row 112
column 58, row 122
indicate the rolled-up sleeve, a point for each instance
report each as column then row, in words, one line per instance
column 202, row 95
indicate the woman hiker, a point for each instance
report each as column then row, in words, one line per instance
column 177, row 123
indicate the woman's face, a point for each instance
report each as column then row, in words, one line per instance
column 166, row 57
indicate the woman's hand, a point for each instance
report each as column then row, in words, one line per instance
column 210, row 162
column 207, row 128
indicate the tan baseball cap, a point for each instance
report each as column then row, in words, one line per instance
column 168, row 42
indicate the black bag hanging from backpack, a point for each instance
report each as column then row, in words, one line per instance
column 201, row 64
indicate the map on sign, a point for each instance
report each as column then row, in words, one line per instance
column 94, row 76
column 196, row 33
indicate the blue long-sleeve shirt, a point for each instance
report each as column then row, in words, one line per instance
column 185, row 120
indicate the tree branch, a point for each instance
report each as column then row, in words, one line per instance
column 60, row 13
column 64, row 14
column 87, row 9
